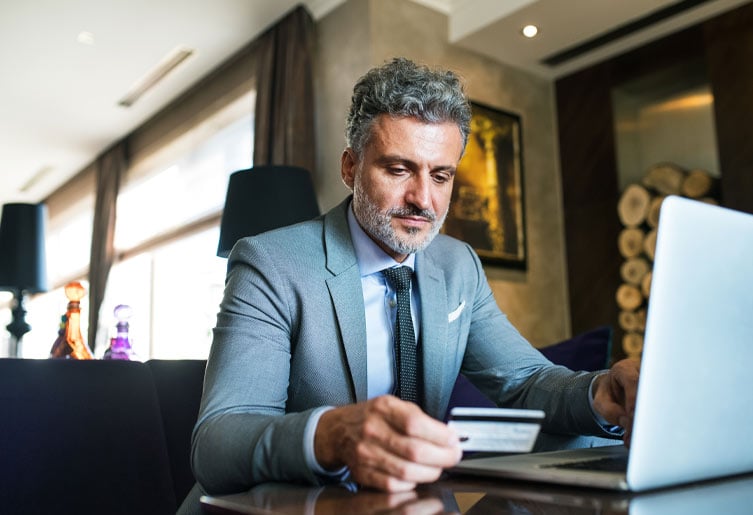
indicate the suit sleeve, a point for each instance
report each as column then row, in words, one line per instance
column 504, row 365
column 243, row 435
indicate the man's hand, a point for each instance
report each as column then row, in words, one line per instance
column 386, row 443
column 614, row 394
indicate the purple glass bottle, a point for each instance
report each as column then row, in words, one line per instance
column 120, row 345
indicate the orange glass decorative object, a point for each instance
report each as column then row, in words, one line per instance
column 72, row 346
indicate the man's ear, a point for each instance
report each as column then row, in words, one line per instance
column 348, row 163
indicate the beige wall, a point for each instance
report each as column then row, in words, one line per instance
column 362, row 33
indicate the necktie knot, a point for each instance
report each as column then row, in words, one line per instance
column 399, row 278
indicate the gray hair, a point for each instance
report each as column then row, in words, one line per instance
column 402, row 88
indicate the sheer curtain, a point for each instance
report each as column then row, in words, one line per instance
column 284, row 115
column 110, row 167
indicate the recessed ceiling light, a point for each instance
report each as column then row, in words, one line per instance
column 85, row 37
column 530, row 31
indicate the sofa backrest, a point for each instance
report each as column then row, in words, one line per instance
column 82, row 437
column 179, row 384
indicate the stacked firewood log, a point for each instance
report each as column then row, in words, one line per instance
column 638, row 210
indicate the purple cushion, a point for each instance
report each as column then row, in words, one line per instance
column 587, row 351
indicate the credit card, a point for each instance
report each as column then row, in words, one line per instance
column 496, row 429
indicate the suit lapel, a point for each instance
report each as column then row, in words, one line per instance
column 434, row 311
column 347, row 296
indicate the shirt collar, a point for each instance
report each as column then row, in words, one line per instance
column 371, row 258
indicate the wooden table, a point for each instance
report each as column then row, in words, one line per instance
column 473, row 496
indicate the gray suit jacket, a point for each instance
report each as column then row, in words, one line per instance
column 290, row 337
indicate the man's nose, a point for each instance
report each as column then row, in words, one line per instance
column 419, row 191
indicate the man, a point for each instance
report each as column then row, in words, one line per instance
column 302, row 369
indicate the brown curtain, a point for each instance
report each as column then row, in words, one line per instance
column 110, row 166
column 284, row 115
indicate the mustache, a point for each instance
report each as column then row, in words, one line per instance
column 413, row 211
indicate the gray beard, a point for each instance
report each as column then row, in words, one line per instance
column 377, row 224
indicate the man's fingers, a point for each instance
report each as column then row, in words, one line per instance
column 616, row 393
column 386, row 443
column 606, row 399
column 417, row 449
column 408, row 419
column 628, row 436
column 394, row 474
column 629, row 381
column 415, row 468
column 407, row 457
column 412, row 435
column 374, row 478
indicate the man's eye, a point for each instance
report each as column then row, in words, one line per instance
column 396, row 170
column 441, row 178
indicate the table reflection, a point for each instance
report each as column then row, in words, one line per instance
column 481, row 497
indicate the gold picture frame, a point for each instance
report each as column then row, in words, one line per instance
column 487, row 208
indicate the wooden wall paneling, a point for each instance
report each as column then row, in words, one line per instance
column 729, row 57
column 589, row 189
column 658, row 55
column 588, row 154
column 590, row 183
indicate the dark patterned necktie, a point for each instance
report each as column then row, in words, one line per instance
column 405, row 339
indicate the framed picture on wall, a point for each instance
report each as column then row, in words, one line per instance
column 487, row 209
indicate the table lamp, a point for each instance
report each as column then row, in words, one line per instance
column 22, row 261
column 264, row 198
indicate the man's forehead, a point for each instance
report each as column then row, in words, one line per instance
column 402, row 126
column 408, row 137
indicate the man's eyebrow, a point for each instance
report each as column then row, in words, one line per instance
column 394, row 158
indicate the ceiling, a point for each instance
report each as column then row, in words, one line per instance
column 66, row 65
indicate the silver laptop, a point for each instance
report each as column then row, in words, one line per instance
column 694, row 411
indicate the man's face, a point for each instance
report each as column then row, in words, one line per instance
column 403, row 182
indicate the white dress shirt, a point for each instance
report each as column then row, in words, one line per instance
column 381, row 306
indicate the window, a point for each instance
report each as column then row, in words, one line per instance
column 170, row 274
column 175, row 292
column 68, row 242
column 166, row 237
column 184, row 190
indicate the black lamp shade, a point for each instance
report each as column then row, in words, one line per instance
column 22, row 249
column 263, row 198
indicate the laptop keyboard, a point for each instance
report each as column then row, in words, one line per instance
column 608, row 464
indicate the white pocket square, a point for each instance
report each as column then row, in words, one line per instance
column 455, row 314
